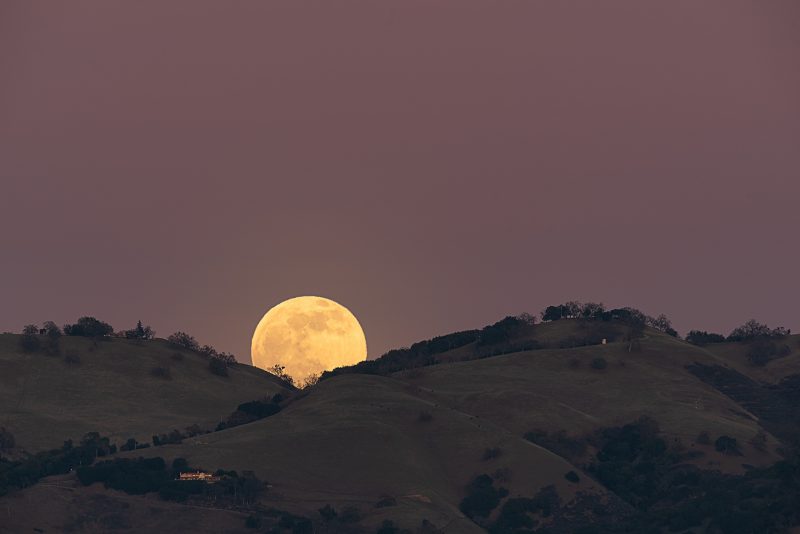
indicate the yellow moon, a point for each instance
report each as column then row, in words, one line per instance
column 308, row 335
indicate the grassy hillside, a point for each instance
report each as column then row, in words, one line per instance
column 561, row 390
column 419, row 435
column 111, row 389
column 355, row 438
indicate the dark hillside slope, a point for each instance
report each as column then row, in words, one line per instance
column 356, row 438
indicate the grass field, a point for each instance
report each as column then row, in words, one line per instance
column 44, row 400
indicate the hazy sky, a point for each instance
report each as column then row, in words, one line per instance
column 433, row 166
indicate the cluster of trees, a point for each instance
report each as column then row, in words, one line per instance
column 218, row 362
column 597, row 311
column 669, row 493
column 252, row 411
column 482, row 497
column 573, row 310
column 147, row 475
column 752, row 329
column 88, row 327
column 505, row 329
column 749, row 331
column 702, row 337
column 515, row 513
column 48, row 337
column 138, row 332
column 763, row 341
column 176, row 436
column 419, row 354
column 15, row 475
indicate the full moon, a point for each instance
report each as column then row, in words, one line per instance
column 308, row 335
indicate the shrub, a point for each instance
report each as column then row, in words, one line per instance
column 184, row 341
column 599, row 363
column 727, row 445
column 52, row 337
column 30, row 342
column 218, row 367
column 572, row 476
column 161, row 372
column 482, row 497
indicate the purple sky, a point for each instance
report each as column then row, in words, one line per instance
column 433, row 166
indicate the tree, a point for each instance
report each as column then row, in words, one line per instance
column 663, row 324
column 140, row 332
column 88, row 327
column 592, row 310
column 52, row 337
column 280, row 371
column 752, row 329
column 311, row 380
column 552, row 313
column 30, row 338
column 227, row 357
column 183, row 340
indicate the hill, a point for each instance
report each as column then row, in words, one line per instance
column 356, row 438
column 604, row 423
column 565, row 390
column 112, row 387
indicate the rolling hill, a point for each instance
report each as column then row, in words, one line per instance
column 402, row 439
column 111, row 388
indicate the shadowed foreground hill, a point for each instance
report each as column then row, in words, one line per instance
column 111, row 388
column 356, row 438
